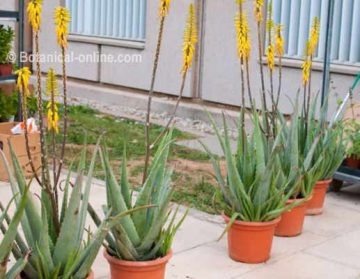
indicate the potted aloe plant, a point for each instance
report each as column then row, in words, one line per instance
column 298, row 157
column 55, row 233
column 62, row 252
column 352, row 133
column 140, row 245
column 253, row 192
column 9, row 228
column 6, row 38
column 332, row 149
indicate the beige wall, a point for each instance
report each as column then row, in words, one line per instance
column 219, row 71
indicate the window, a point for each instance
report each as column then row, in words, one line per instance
column 296, row 16
column 112, row 19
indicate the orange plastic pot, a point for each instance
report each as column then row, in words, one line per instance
column 250, row 242
column 353, row 162
column 292, row 221
column 316, row 203
column 137, row 270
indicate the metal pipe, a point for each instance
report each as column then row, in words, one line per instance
column 326, row 73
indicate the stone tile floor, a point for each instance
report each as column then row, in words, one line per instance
column 328, row 248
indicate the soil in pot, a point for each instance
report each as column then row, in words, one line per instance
column 6, row 69
column 251, row 242
column 316, row 203
column 292, row 221
column 137, row 270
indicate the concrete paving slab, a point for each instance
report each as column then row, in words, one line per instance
column 348, row 197
column 335, row 220
column 206, row 262
column 286, row 246
column 302, row 266
column 344, row 249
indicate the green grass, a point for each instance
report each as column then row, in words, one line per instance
column 87, row 124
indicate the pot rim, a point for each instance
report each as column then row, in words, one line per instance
column 323, row 183
column 252, row 224
column 157, row 262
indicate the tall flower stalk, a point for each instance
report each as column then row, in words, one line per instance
column 62, row 19
column 189, row 48
column 311, row 47
column 258, row 11
column 243, row 51
column 23, row 77
column 52, row 92
column 163, row 12
column 279, row 52
column 34, row 14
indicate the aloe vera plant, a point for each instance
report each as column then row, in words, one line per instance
column 145, row 235
column 253, row 189
column 10, row 234
column 69, row 254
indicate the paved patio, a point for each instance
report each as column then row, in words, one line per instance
column 328, row 248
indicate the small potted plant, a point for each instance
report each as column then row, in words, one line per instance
column 9, row 228
column 352, row 131
column 11, row 105
column 6, row 39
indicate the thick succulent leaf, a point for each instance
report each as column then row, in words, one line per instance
column 31, row 222
column 124, row 183
column 10, row 235
column 117, row 203
column 86, row 195
column 68, row 237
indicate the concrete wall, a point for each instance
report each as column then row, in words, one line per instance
column 219, row 72
column 221, row 68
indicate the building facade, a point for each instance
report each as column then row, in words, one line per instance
column 125, row 31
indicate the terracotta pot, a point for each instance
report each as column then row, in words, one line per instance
column 316, row 203
column 137, row 270
column 353, row 162
column 250, row 242
column 6, row 69
column 292, row 221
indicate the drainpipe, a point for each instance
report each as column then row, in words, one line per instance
column 326, row 74
column 196, row 88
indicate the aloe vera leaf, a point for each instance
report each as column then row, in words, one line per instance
column 67, row 240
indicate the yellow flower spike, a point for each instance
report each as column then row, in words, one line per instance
column 314, row 37
column 52, row 107
column 190, row 39
column 306, row 69
column 34, row 14
column 53, row 117
column 258, row 10
column 242, row 36
column 62, row 19
column 164, row 7
column 270, row 52
column 279, row 41
column 23, row 80
column 51, row 84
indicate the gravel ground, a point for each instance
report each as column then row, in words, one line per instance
column 193, row 126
